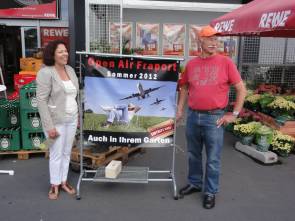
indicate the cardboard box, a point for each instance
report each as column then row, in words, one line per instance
column 30, row 64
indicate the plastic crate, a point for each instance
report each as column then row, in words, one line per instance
column 32, row 139
column 21, row 80
column 9, row 113
column 10, row 139
column 28, row 99
column 30, row 120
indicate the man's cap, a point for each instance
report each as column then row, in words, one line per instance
column 207, row 31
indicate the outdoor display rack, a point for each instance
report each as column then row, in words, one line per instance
column 128, row 174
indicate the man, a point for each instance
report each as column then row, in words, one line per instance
column 206, row 81
column 121, row 114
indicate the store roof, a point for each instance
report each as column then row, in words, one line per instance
column 180, row 5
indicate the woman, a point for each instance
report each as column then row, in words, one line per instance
column 57, row 88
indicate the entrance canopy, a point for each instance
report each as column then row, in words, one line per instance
column 265, row 18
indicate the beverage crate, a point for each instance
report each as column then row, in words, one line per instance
column 32, row 139
column 30, row 120
column 10, row 139
column 9, row 113
column 21, row 80
column 28, row 99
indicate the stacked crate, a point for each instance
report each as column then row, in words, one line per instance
column 31, row 127
column 9, row 125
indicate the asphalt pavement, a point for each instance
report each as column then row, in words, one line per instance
column 248, row 191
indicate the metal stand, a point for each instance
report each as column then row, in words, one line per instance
column 128, row 174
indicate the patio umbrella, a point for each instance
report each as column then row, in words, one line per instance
column 266, row 18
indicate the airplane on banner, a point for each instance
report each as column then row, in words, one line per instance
column 141, row 94
column 157, row 101
column 163, row 108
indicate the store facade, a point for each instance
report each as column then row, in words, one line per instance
column 25, row 27
column 159, row 13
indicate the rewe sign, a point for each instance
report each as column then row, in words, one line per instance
column 225, row 26
column 274, row 19
column 54, row 33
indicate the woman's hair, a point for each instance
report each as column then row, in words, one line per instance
column 48, row 54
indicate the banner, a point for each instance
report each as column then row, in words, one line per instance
column 147, row 38
column 173, row 39
column 228, row 47
column 130, row 101
column 115, row 36
column 29, row 9
column 54, row 33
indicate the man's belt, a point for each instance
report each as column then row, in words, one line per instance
column 212, row 112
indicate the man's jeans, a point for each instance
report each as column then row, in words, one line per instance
column 201, row 129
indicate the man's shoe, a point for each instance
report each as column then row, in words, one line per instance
column 189, row 189
column 209, row 201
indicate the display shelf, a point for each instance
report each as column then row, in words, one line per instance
column 127, row 175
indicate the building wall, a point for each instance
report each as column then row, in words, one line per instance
column 163, row 16
column 77, row 20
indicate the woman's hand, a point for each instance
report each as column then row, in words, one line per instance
column 53, row 133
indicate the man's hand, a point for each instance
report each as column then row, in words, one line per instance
column 226, row 119
column 53, row 133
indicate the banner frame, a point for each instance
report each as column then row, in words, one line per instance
column 90, row 175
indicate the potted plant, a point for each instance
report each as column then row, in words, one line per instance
column 265, row 99
column 282, row 107
column 282, row 144
column 246, row 131
column 252, row 101
column 263, row 138
column 230, row 127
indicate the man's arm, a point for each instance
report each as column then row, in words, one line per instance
column 181, row 102
column 241, row 94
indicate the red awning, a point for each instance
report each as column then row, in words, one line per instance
column 267, row 18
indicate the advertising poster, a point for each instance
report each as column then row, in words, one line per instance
column 228, row 46
column 130, row 101
column 54, row 33
column 147, row 38
column 115, row 36
column 29, row 9
column 194, row 48
column 173, row 39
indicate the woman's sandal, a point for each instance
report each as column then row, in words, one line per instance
column 68, row 188
column 53, row 192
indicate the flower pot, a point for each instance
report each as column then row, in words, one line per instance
column 262, row 143
column 282, row 153
column 263, row 138
column 247, row 140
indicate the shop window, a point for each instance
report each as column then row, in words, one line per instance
column 30, row 41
